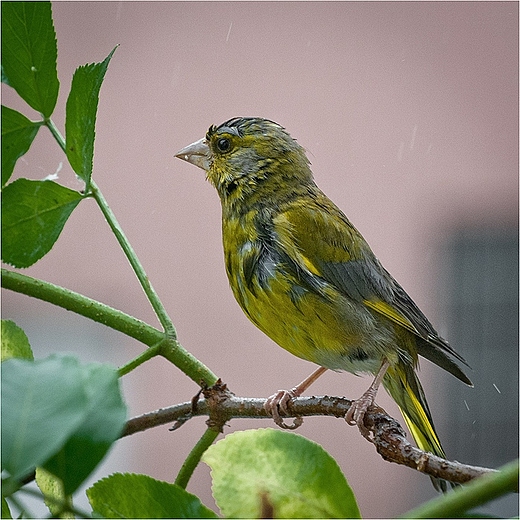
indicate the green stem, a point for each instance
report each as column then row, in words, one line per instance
column 194, row 457
column 152, row 296
column 56, row 133
column 75, row 302
column 140, row 359
column 128, row 250
column 117, row 320
column 170, row 349
column 477, row 492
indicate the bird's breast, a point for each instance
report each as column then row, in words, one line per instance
column 297, row 309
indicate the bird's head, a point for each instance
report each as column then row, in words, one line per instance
column 245, row 157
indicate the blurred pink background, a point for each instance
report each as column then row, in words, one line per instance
column 409, row 113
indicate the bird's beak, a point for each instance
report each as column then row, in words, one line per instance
column 197, row 153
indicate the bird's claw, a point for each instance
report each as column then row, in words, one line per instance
column 279, row 403
column 355, row 415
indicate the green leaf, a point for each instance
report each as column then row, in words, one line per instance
column 80, row 119
column 42, row 405
column 140, row 496
column 58, row 414
column 14, row 342
column 52, row 488
column 29, row 53
column 101, row 426
column 33, row 216
column 280, row 474
column 17, row 136
column 6, row 512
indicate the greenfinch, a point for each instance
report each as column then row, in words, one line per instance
column 306, row 277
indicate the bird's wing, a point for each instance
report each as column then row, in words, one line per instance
column 326, row 244
column 321, row 238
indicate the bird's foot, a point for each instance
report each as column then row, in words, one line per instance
column 356, row 413
column 278, row 404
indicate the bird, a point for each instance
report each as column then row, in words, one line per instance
column 306, row 277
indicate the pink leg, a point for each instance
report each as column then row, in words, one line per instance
column 279, row 402
column 358, row 408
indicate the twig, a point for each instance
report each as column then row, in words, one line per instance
column 127, row 248
column 390, row 441
column 387, row 435
column 456, row 504
column 193, row 458
column 170, row 349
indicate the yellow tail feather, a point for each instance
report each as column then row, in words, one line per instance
column 403, row 385
column 423, row 434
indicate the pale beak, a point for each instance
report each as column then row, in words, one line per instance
column 197, row 153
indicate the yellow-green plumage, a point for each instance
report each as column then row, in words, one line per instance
column 306, row 277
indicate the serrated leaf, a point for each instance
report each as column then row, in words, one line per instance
column 80, row 119
column 42, row 405
column 14, row 342
column 18, row 134
column 100, row 427
column 29, row 53
column 140, row 496
column 33, row 216
column 282, row 474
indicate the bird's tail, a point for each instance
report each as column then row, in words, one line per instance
column 402, row 384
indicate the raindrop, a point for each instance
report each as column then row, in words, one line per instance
column 414, row 133
column 229, row 31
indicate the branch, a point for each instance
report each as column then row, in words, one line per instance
column 129, row 252
column 387, row 435
column 82, row 305
column 170, row 349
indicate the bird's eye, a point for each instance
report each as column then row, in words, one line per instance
column 224, row 144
